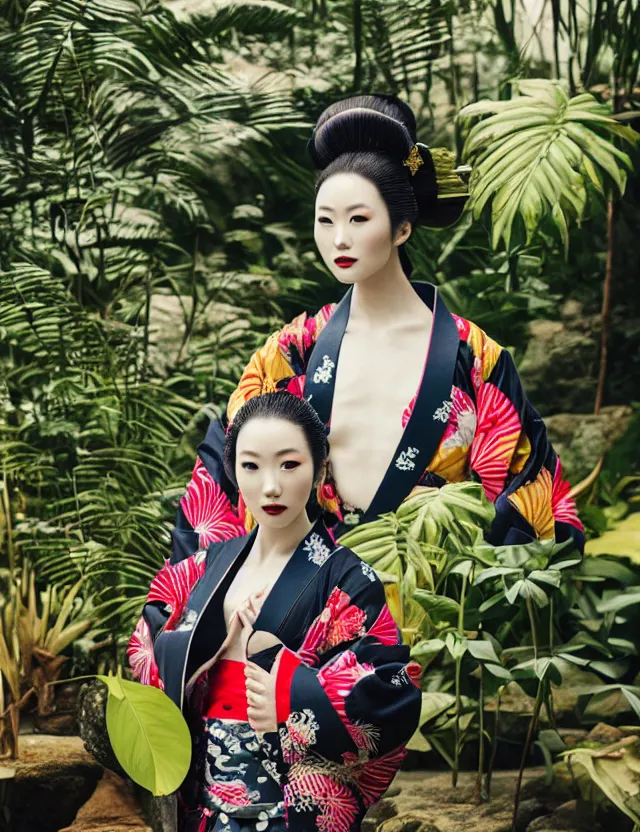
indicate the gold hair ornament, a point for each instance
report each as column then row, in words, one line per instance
column 414, row 160
column 452, row 181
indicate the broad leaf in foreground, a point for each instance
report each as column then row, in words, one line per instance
column 149, row 735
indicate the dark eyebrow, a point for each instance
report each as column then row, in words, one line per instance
column 284, row 452
column 350, row 208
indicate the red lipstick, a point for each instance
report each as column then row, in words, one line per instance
column 274, row 509
column 345, row 262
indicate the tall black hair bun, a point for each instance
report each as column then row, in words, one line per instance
column 363, row 123
column 384, row 124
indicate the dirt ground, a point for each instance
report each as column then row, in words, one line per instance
column 111, row 808
column 428, row 803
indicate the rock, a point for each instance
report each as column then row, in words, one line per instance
column 569, row 817
column 605, row 734
column 529, row 810
column 111, row 808
column 559, row 369
column 62, row 719
column 379, row 812
column 581, row 439
column 427, row 802
column 411, row 822
column 92, row 722
column 54, row 777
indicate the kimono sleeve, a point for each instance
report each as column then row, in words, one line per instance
column 350, row 692
column 163, row 610
column 210, row 510
column 513, row 458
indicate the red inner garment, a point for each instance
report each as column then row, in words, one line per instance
column 227, row 692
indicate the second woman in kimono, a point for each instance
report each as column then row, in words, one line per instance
column 280, row 649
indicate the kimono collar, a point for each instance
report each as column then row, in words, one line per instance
column 310, row 554
column 181, row 652
column 428, row 420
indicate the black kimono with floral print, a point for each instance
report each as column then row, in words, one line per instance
column 347, row 697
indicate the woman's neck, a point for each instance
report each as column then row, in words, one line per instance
column 275, row 543
column 386, row 297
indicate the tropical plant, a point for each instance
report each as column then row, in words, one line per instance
column 34, row 632
column 481, row 617
column 612, row 771
column 536, row 155
column 130, row 299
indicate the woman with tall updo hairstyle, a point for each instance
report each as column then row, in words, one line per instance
column 280, row 649
column 411, row 394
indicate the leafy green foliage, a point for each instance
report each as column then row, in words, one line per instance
column 156, row 224
column 536, row 154
column 149, row 735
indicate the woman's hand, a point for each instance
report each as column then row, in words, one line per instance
column 261, row 698
column 250, row 608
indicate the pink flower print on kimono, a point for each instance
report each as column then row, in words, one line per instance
column 141, row 660
column 374, row 776
column 562, row 503
column 235, row 793
column 461, row 425
column 173, row 584
column 316, row 784
column 337, row 680
column 497, row 433
column 295, row 385
column 461, row 429
column 384, row 628
column 340, row 621
column 209, row 510
column 298, row 735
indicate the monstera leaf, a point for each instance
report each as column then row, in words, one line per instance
column 536, row 153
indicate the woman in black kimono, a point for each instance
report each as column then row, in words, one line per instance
column 411, row 394
column 280, row 649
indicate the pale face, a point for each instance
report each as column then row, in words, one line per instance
column 274, row 470
column 353, row 229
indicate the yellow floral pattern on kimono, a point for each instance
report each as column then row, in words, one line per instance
column 493, row 434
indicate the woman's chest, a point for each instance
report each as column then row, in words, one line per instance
column 375, row 384
column 252, row 578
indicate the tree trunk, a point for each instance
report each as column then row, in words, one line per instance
column 606, row 305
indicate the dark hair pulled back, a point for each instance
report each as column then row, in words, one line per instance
column 372, row 136
column 279, row 405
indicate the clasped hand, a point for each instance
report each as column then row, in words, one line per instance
column 260, row 685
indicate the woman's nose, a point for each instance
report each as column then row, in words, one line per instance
column 272, row 488
column 341, row 240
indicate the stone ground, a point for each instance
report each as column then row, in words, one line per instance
column 53, row 771
column 428, row 803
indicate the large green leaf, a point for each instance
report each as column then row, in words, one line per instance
column 439, row 607
column 615, row 769
column 537, row 152
column 149, row 735
column 622, row 540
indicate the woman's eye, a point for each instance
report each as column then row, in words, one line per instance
column 290, row 464
column 249, row 466
column 359, row 218
column 324, row 220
